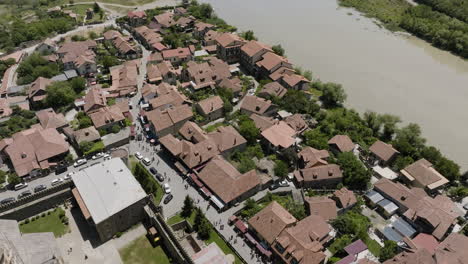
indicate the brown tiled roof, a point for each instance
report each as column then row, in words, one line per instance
column 122, row 44
column 253, row 47
column 263, row 122
column 15, row 55
column 280, row 135
column 162, row 119
column 346, row 197
column 426, row 241
column 342, row 142
column 179, row 52
column 153, row 73
column 201, row 74
column 165, row 19
column 211, row 35
column 293, row 79
column 225, row 181
column 423, row 172
column 184, row 22
column 420, row 256
column 138, row 14
column 77, row 46
column 155, row 57
column 172, row 144
column 233, row 84
column 297, row 123
column 172, row 98
column 452, row 249
column 228, row 39
column 220, row 68
column 313, row 157
column 383, row 150
column 111, row 34
column 196, row 154
column 192, row 132
column 49, row 119
column 273, row 89
column 94, row 99
column 200, row 26
column 5, row 109
column 106, row 115
column 227, row 138
column 211, row 104
column 322, row 206
column 32, row 148
column 270, row 221
column 38, row 85
column 89, row 134
column 256, row 104
column 280, row 73
column 270, row 60
column 323, row 172
column 124, row 78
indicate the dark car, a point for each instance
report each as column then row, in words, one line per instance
column 274, row 186
column 153, row 170
column 8, row 200
column 168, row 198
column 24, row 194
column 159, row 177
column 40, row 188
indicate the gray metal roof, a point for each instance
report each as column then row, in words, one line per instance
column 70, row 74
column 374, row 196
column 391, row 234
column 107, row 188
column 403, row 227
column 388, row 206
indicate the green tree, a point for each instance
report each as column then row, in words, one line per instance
column 188, row 207
column 248, row 129
column 316, row 139
column 401, row 162
column 355, row 174
column 389, row 123
column 278, row 49
column 281, row 169
column 115, row 129
column 248, row 35
column 337, row 247
column 389, row 250
column 13, row 179
column 409, row 141
column 198, row 218
column 86, row 146
column 352, row 223
column 295, row 101
column 96, row 8
column 204, row 229
column 333, row 95
column 109, row 61
column 59, row 94
column 78, row 84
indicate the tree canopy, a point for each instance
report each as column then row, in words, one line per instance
column 355, row 174
column 59, row 94
column 35, row 66
column 278, row 49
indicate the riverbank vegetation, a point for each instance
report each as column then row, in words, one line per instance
column 443, row 30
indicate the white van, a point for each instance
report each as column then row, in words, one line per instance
column 20, row 186
column 147, row 161
column 167, row 189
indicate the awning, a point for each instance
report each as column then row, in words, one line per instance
column 241, row 226
column 251, row 239
column 232, row 218
column 217, row 202
column 180, row 167
column 206, row 191
column 263, row 250
column 197, row 182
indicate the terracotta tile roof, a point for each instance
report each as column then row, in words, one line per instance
column 253, row 47
column 420, row 256
column 342, row 142
column 225, row 181
column 201, row 26
column 30, row 148
column 280, row 73
column 211, row 104
column 5, row 109
column 263, row 122
column 273, row 89
column 229, row 39
column 426, row 241
column 77, row 46
column 138, row 14
column 180, row 53
column 184, row 22
column 313, row 157
column 124, row 78
column 89, row 134
column 165, row 19
column 233, row 84
column 297, row 123
column 111, row 34
column 201, row 74
column 38, row 86
column 162, row 119
column 220, row 68
column 323, row 172
column 383, row 150
column 172, row 144
column 423, row 172
column 294, row 79
column 122, row 44
column 106, row 115
column 17, row 56
column 345, row 197
column 322, row 206
column 95, row 99
column 227, row 138
column 280, row 135
column 155, row 57
column 211, row 35
column 256, row 104
column 196, row 154
column 270, row 60
column 49, row 119
column 153, row 73
column 271, row 220
column 452, row 249
column 192, row 132
column 171, row 99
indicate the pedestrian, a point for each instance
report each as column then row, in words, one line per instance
column 85, row 257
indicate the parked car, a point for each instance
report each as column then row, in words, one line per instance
column 138, row 156
column 284, row 183
column 56, row 181
column 273, row 186
column 106, row 156
column 8, row 200
column 147, row 161
column 167, row 188
column 168, row 198
column 80, row 162
column 159, row 177
column 97, row 156
column 24, row 194
column 39, row 188
column 153, row 170
column 20, row 186
column 68, row 176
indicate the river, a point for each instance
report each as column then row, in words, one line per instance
column 380, row 71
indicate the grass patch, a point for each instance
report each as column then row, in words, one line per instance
column 213, row 127
column 140, row 251
column 80, row 10
column 373, row 246
column 49, row 223
column 147, row 181
column 214, row 236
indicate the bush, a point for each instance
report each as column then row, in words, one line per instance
column 62, row 215
column 118, row 234
column 49, row 212
column 115, row 129
column 43, row 215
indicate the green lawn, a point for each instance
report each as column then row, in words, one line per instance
column 214, row 127
column 48, row 223
column 140, row 251
column 373, row 246
column 80, row 10
column 214, row 236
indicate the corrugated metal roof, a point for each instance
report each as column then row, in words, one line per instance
column 403, row 227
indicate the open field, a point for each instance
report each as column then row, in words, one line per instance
column 141, row 251
column 48, row 223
